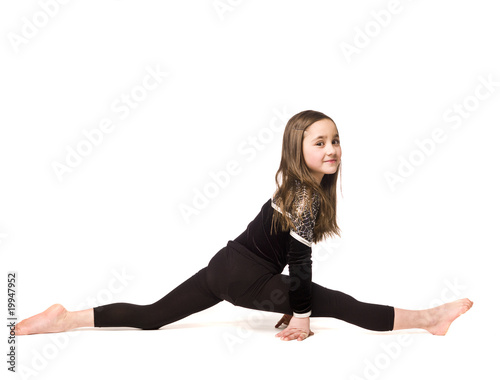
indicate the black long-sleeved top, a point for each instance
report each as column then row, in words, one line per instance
column 292, row 247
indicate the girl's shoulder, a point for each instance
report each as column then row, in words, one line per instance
column 305, row 199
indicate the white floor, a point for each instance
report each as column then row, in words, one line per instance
column 238, row 343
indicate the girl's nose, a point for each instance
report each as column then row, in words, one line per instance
column 330, row 149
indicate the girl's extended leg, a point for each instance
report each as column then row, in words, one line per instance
column 271, row 294
column 191, row 296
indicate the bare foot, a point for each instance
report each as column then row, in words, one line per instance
column 441, row 317
column 51, row 320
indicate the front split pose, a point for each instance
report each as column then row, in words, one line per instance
column 247, row 271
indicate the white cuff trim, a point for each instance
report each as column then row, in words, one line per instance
column 303, row 315
column 300, row 238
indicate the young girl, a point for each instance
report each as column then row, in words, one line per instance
column 247, row 272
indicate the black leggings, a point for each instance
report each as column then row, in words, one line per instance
column 240, row 277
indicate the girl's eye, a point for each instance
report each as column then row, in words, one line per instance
column 334, row 142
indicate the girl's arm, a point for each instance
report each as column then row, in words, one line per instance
column 299, row 251
column 300, row 268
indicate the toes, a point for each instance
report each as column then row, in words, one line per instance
column 467, row 304
column 20, row 330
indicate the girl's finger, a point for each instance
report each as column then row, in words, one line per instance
column 302, row 336
column 292, row 335
column 281, row 333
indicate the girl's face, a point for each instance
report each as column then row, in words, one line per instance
column 321, row 148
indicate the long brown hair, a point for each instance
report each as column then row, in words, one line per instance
column 293, row 167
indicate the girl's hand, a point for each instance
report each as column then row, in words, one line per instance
column 298, row 328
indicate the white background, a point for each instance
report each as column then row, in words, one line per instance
column 230, row 72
